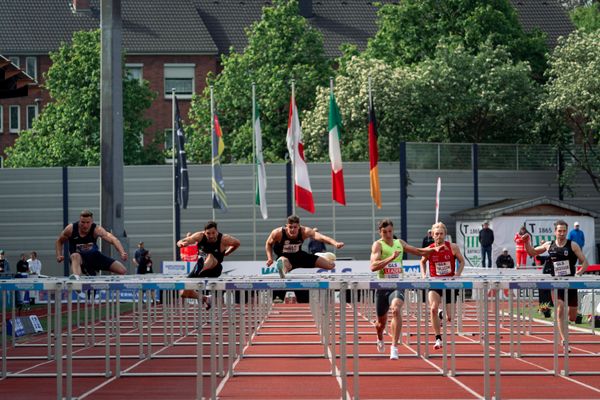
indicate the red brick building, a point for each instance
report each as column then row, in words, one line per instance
column 176, row 43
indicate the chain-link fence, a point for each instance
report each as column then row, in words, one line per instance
column 490, row 156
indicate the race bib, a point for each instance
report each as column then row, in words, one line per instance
column 291, row 247
column 392, row 270
column 443, row 268
column 562, row 268
column 85, row 247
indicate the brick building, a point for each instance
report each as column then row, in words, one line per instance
column 176, row 43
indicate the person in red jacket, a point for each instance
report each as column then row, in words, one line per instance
column 521, row 253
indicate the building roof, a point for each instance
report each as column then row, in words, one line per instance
column 149, row 26
column 513, row 206
column 340, row 21
column 13, row 81
column 213, row 26
column 546, row 15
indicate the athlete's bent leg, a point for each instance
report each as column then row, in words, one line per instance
column 118, row 268
column 324, row 263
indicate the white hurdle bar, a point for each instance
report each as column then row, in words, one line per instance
column 255, row 294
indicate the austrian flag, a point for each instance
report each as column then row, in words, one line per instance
column 302, row 190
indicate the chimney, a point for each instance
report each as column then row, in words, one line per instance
column 81, row 5
column 305, row 7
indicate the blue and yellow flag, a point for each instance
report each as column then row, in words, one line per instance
column 218, row 186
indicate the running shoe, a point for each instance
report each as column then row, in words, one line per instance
column 74, row 277
column 438, row 344
column 393, row 353
column 566, row 346
column 280, row 267
column 380, row 346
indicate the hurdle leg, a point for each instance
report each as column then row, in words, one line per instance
column 4, row 371
column 343, row 360
column 497, row 376
column 58, row 341
column 118, row 334
column 49, row 322
column 199, row 350
column 69, row 382
column 355, row 357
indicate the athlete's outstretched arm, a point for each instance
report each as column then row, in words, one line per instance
column 62, row 238
column 309, row 232
column 461, row 260
column 376, row 262
column 534, row 251
column 191, row 239
column 274, row 237
column 231, row 243
column 112, row 239
column 582, row 260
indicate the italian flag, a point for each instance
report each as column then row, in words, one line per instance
column 335, row 155
column 261, row 176
column 302, row 190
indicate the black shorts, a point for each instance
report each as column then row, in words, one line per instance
column 94, row 262
column 301, row 259
column 448, row 294
column 384, row 298
column 572, row 296
column 206, row 273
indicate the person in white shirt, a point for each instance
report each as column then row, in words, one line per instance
column 35, row 269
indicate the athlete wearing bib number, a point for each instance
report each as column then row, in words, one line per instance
column 442, row 264
column 563, row 257
column 286, row 243
column 386, row 260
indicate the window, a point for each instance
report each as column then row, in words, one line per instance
column 14, row 119
column 134, row 71
column 168, row 145
column 181, row 78
column 31, row 67
column 1, row 118
column 32, row 112
column 15, row 60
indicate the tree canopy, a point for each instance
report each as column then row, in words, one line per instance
column 456, row 96
column 410, row 31
column 67, row 131
column 281, row 46
column 570, row 110
column 586, row 18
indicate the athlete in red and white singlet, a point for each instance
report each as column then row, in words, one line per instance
column 442, row 263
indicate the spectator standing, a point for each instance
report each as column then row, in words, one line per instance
column 576, row 235
column 22, row 266
column 315, row 246
column 35, row 269
column 521, row 253
column 486, row 239
column 138, row 254
column 145, row 263
column 504, row 260
column 35, row 265
column 427, row 240
column 4, row 264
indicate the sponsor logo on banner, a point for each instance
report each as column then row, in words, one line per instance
column 468, row 242
column 540, row 230
column 175, row 267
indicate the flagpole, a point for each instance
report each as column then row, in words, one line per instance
column 212, row 146
column 332, row 200
column 293, row 155
column 372, row 200
column 175, row 238
column 254, row 169
column 437, row 199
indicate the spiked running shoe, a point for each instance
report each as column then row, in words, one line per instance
column 380, row 346
column 393, row 353
column 280, row 268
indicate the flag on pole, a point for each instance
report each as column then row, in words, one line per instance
column 182, row 179
column 335, row 154
column 374, row 157
column 218, row 186
column 437, row 199
column 261, row 176
column 302, row 190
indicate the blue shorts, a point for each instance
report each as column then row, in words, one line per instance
column 384, row 298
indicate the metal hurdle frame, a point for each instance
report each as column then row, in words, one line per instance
column 244, row 322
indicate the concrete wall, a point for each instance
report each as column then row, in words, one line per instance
column 31, row 204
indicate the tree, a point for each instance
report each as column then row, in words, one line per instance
column 454, row 97
column 67, row 132
column 586, row 18
column 281, row 46
column 410, row 31
column 571, row 106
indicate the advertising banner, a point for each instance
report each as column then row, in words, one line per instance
column 541, row 228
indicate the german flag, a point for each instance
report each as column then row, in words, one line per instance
column 374, row 157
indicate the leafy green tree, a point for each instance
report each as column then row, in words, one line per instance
column 571, row 106
column 67, row 132
column 454, row 97
column 586, row 18
column 281, row 46
column 410, row 30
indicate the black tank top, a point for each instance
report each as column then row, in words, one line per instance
column 562, row 259
column 212, row 248
column 288, row 245
column 82, row 244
